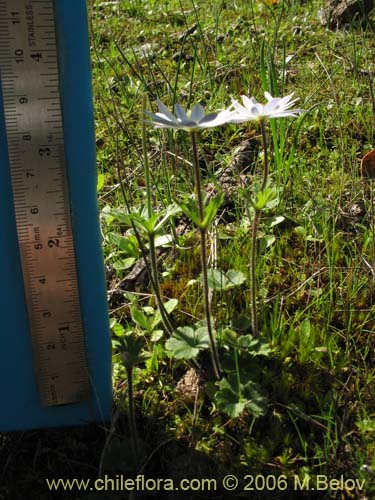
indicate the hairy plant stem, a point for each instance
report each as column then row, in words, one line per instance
column 151, row 235
column 254, row 233
column 145, row 160
column 265, row 159
column 203, row 233
column 372, row 225
column 132, row 422
column 153, row 277
column 155, row 274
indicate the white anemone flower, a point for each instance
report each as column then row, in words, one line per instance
column 187, row 121
column 251, row 109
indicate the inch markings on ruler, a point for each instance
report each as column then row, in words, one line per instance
column 32, row 108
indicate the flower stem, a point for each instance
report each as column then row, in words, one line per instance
column 198, row 184
column 253, row 283
column 254, row 233
column 155, row 275
column 203, row 233
column 151, row 235
column 145, row 160
column 265, row 159
column 132, row 424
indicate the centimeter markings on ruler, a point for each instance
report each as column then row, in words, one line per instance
column 34, row 128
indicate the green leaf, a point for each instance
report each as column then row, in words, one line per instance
column 266, row 241
column 191, row 209
column 277, row 220
column 140, row 319
column 163, row 240
column 211, row 209
column 261, row 349
column 122, row 264
column 113, row 238
column 144, row 223
column 254, row 347
column 118, row 329
column 148, row 310
column 171, row 211
column 216, row 279
column 219, row 280
column 107, row 216
column 169, row 307
column 305, row 330
column 100, row 182
column 265, row 199
column 131, row 350
column 256, row 403
column 234, row 278
column 247, row 343
column 129, row 245
column 186, row 342
column 301, row 231
column 233, row 398
column 156, row 335
column 138, row 217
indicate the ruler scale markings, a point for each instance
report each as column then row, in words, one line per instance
column 30, row 78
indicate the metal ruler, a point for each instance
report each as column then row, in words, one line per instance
column 32, row 106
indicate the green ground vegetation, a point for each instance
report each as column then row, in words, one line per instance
column 297, row 400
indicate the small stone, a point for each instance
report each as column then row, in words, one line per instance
column 190, row 384
column 338, row 13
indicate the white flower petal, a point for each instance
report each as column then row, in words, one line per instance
column 160, row 122
column 165, row 111
column 237, row 106
column 272, row 107
column 248, row 103
column 257, row 110
column 276, row 107
column 197, row 113
column 287, row 101
column 238, row 118
column 215, row 119
column 189, row 125
column 283, row 114
column 181, row 113
column 161, row 118
column 185, row 121
column 246, row 111
column 268, row 96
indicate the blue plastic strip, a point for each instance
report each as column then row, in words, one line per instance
column 21, row 407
